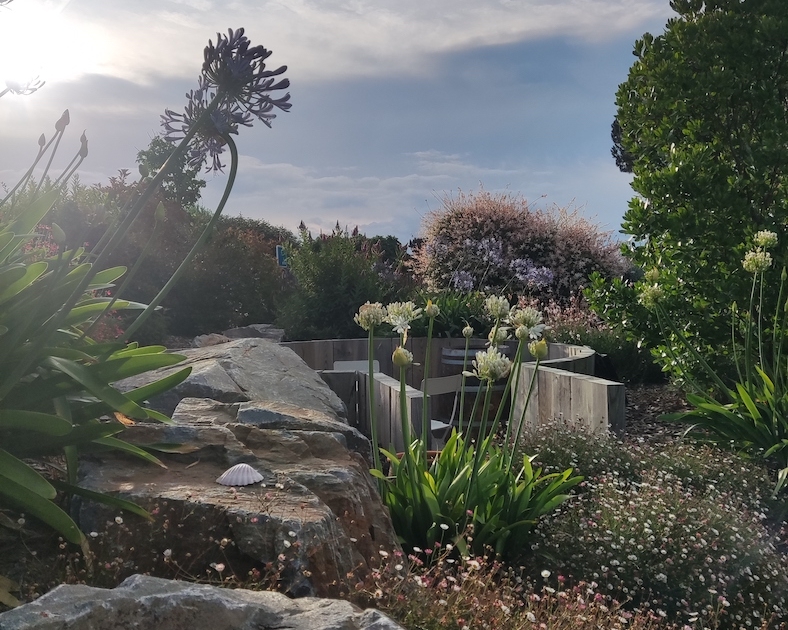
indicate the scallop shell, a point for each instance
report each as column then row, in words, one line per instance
column 239, row 475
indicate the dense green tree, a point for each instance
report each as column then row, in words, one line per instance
column 704, row 116
column 182, row 185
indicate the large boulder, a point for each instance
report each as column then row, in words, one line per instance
column 148, row 602
column 240, row 371
column 316, row 518
column 258, row 331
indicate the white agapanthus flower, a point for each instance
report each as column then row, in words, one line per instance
column 528, row 318
column 757, row 261
column 401, row 314
column 370, row 315
column 490, row 365
column 765, row 239
column 497, row 307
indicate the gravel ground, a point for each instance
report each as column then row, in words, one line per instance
column 645, row 403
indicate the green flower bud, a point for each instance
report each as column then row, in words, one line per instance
column 538, row 349
column 58, row 235
column 402, row 357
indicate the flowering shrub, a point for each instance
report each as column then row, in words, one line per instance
column 496, row 243
column 660, row 544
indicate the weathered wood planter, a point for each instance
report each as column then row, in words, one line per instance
column 565, row 387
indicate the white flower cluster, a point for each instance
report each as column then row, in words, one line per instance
column 370, row 315
column 759, row 260
column 490, row 365
column 527, row 322
column 497, row 307
column 401, row 314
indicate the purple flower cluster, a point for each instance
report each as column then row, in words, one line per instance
column 531, row 275
column 234, row 73
column 490, row 250
column 462, row 281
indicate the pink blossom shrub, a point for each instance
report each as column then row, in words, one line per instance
column 496, row 242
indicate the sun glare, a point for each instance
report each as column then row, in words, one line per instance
column 38, row 40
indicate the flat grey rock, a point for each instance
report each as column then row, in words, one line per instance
column 143, row 602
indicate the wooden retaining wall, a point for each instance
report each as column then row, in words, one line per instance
column 565, row 388
column 353, row 389
column 577, row 399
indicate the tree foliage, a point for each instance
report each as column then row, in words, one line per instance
column 182, row 185
column 704, row 115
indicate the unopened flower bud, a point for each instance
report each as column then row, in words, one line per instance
column 467, row 332
column 63, row 121
column 538, row 349
column 431, row 310
column 83, row 147
column 58, row 235
column 402, row 357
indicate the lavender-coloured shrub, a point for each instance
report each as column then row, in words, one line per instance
column 496, row 242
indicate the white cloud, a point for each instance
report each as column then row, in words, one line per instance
column 324, row 40
column 285, row 194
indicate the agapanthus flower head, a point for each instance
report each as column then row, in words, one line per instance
column 757, row 261
column 467, row 332
column 432, row 310
column 527, row 318
column 24, row 88
column 401, row 314
column 498, row 335
column 652, row 275
column 370, row 315
column 237, row 69
column 490, row 365
column 462, row 280
column 402, row 357
column 538, row 349
column 497, row 307
column 765, row 239
column 234, row 72
column 651, row 295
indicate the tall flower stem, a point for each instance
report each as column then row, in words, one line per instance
column 482, row 443
column 521, row 422
column 462, row 385
column 425, row 421
column 195, row 248
column 373, row 426
column 514, row 374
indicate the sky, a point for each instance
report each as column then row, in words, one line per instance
column 396, row 105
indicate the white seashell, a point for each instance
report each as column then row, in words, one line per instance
column 239, row 475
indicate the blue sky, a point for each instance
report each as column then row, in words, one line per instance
column 395, row 104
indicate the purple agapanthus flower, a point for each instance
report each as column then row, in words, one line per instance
column 491, row 251
column 235, row 72
column 531, row 275
column 462, row 281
